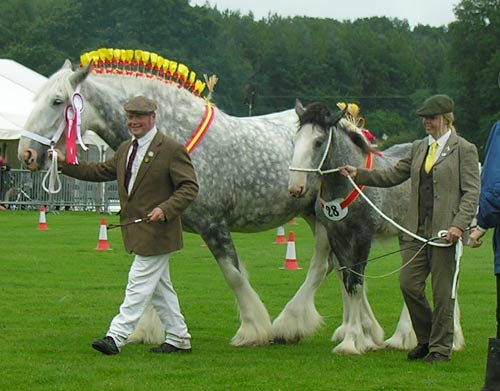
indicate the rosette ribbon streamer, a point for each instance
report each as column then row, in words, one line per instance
column 73, row 129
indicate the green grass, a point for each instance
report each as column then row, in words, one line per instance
column 58, row 294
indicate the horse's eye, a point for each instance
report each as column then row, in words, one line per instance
column 318, row 144
column 57, row 102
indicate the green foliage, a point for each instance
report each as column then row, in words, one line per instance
column 379, row 62
column 59, row 294
column 475, row 60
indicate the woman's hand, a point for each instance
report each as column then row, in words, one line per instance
column 348, row 171
column 454, row 233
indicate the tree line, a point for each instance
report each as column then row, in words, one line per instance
column 380, row 63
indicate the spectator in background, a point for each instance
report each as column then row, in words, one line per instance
column 4, row 179
column 488, row 216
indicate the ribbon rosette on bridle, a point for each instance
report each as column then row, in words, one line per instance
column 73, row 129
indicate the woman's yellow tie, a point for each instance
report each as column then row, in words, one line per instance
column 431, row 157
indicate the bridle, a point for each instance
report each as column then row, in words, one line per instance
column 72, row 123
column 318, row 170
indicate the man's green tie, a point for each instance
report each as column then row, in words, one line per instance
column 431, row 157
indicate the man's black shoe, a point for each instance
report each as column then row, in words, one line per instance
column 167, row 348
column 106, row 345
column 419, row 352
column 436, row 357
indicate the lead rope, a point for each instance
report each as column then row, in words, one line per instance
column 52, row 175
column 425, row 241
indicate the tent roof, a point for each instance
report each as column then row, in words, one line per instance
column 18, row 85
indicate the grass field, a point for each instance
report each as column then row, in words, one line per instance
column 58, row 294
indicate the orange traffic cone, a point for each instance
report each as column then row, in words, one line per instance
column 280, row 235
column 42, row 221
column 291, row 257
column 103, row 237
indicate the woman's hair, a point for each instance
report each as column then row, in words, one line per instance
column 450, row 118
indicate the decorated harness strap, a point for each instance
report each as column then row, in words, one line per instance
column 337, row 209
column 202, row 129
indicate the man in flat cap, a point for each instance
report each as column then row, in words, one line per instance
column 444, row 175
column 156, row 182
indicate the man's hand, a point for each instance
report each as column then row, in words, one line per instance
column 156, row 216
column 475, row 237
column 60, row 156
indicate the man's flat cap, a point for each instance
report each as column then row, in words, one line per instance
column 436, row 104
column 140, row 105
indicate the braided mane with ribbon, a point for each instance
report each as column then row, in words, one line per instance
column 142, row 63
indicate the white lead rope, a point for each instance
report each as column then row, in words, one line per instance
column 72, row 114
column 441, row 233
column 52, row 175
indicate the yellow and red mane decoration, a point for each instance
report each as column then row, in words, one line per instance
column 141, row 63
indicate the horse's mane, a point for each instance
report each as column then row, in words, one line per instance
column 142, row 63
column 319, row 114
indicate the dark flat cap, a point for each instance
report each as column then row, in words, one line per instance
column 140, row 105
column 436, row 104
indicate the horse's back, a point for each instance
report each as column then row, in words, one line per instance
column 397, row 151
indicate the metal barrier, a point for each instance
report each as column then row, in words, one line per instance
column 22, row 189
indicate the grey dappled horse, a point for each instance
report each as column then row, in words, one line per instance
column 242, row 168
column 323, row 142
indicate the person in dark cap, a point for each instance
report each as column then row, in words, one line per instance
column 444, row 175
column 156, row 183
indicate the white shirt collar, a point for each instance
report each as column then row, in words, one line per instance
column 148, row 137
column 441, row 140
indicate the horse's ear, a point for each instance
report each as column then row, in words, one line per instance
column 333, row 118
column 299, row 108
column 80, row 75
column 67, row 65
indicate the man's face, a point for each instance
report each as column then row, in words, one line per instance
column 140, row 124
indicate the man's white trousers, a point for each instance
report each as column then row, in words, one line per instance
column 149, row 282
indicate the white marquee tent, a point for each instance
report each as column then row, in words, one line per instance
column 19, row 85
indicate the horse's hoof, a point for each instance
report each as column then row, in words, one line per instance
column 285, row 341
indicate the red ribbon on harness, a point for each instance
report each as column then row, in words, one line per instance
column 202, row 129
column 73, row 128
column 351, row 197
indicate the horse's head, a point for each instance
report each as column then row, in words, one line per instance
column 310, row 142
column 47, row 115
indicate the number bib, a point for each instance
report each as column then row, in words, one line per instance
column 333, row 211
